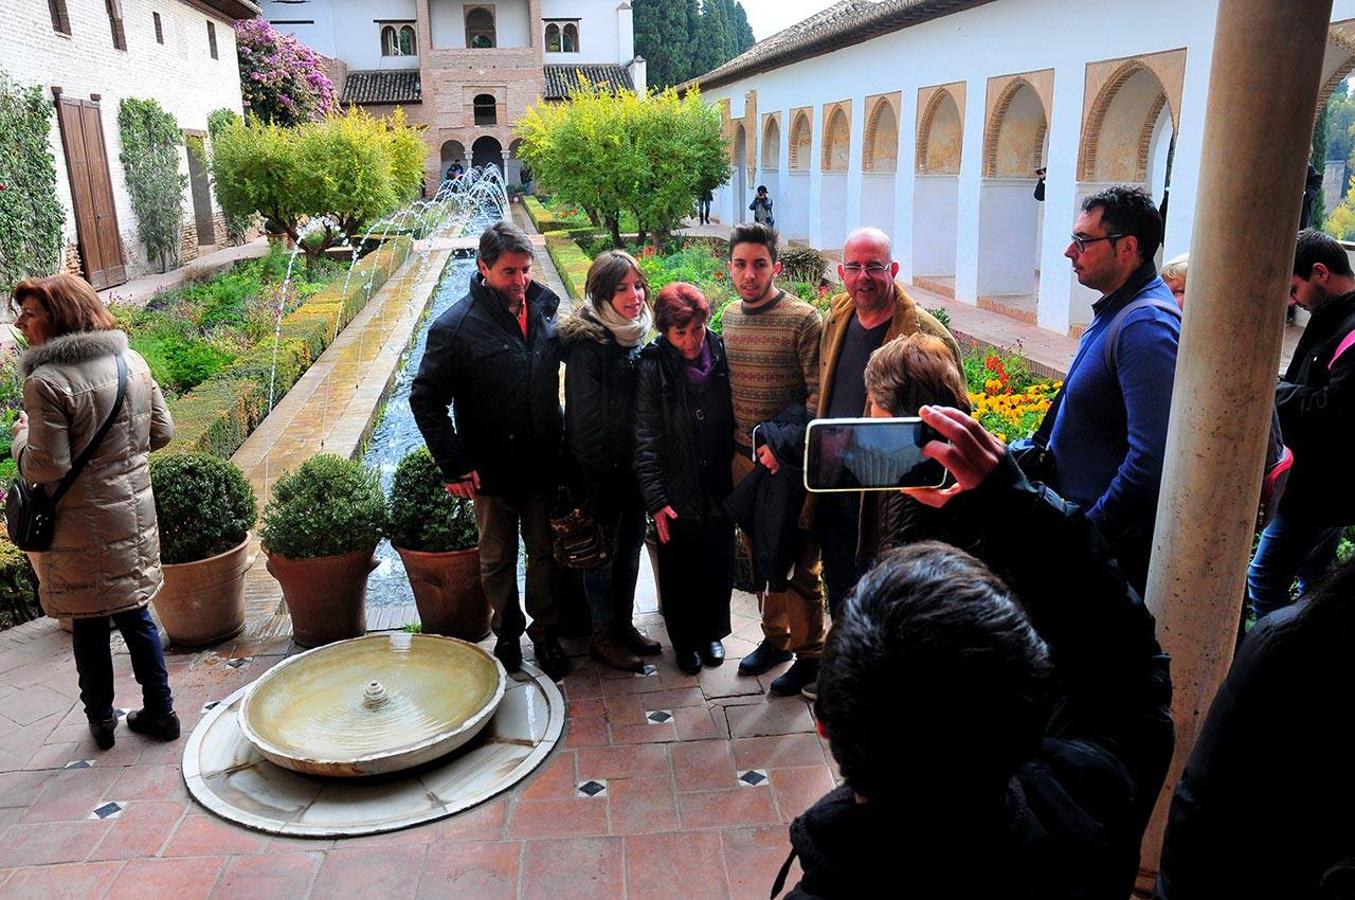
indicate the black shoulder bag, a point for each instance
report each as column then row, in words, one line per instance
column 30, row 515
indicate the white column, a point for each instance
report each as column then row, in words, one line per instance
column 904, row 182
column 967, row 247
column 625, row 34
column 1060, row 198
column 816, row 235
column 854, row 173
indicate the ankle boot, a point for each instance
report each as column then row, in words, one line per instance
column 609, row 648
column 635, row 642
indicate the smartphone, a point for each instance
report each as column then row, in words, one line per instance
column 869, row 455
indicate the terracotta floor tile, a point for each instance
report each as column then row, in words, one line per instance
column 54, row 756
column 482, row 823
column 696, row 723
column 150, row 782
column 182, row 879
column 141, row 830
column 583, row 868
column 753, row 856
column 582, row 686
column 586, row 708
column 419, row 834
column 641, row 761
column 70, row 795
column 798, row 789
column 557, row 818
column 678, row 865
column 641, row 805
column 673, row 698
column 643, row 734
column 628, row 709
column 581, row 733
column 778, row 751
column 369, row 872
column 201, row 833
column 272, row 876
column 479, row 871
column 553, row 780
column 20, row 788
column 74, row 880
column 703, row 766
column 773, row 715
column 728, row 808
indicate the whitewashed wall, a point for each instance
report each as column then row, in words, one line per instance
column 601, row 36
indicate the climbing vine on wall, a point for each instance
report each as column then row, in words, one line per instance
column 150, row 160
column 30, row 216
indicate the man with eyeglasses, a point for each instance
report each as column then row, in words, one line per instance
column 1110, row 425
column 873, row 311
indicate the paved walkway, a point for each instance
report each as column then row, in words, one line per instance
column 137, row 291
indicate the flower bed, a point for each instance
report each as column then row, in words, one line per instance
column 547, row 220
column 1007, row 399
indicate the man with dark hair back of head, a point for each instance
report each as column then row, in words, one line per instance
column 1110, row 428
column 1316, row 403
column 494, row 358
column 990, row 746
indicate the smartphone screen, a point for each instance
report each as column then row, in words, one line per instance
column 869, row 455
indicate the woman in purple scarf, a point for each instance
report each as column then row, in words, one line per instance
column 684, row 438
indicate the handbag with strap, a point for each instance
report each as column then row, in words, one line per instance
column 578, row 540
column 30, row 514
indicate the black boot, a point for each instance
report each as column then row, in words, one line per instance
column 762, row 659
column 508, row 649
column 163, row 726
column 103, row 732
column 552, row 659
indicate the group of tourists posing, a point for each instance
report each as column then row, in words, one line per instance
column 991, row 687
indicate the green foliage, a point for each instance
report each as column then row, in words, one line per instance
column 238, row 222
column 30, row 216
column 281, row 79
column 982, row 364
column 204, row 505
column 11, row 404
column 679, row 42
column 803, row 264
column 350, row 169
column 649, row 156
column 150, row 161
column 570, row 261
column 941, row 315
column 423, row 516
column 18, row 587
column 180, row 363
column 328, row 506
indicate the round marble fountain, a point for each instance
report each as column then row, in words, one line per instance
column 437, row 719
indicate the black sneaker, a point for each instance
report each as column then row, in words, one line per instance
column 103, row 732
column 762, row 659
column 803, row 673
column 508, row 649
column 552, row 659
column 163, row 726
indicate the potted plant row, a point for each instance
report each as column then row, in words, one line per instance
column 438, row 541
column 204, row 507
column 320, row 532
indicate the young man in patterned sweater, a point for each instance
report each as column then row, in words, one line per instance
column 772, row 342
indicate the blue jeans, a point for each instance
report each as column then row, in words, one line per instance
column 94, row 662
column 1289, row 548
column 703, row 211
column 610, row 588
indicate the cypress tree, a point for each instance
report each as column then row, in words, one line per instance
column 743, row 32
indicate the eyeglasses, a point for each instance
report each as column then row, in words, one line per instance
column 1081, row 242
column 872, row 269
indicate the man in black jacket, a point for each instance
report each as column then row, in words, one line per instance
column 997, row 739
column 494, row 358
column 1316, row 403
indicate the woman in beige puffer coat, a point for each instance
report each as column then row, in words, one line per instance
column 104, row 560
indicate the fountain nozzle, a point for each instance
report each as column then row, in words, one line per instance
column 374, row 697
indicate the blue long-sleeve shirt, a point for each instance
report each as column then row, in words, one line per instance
column 1109, row 438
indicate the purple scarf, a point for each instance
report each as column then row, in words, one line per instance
column 698, row 370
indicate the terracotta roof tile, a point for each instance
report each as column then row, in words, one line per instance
column 560, row 80
column 382, row 86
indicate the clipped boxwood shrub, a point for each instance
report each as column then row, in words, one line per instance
column 328, row 506
column 803, row 264
column 570, row 261
column 423, row 516
column 545, row 220
column 204, row 506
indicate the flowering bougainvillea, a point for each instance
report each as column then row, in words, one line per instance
column 281, row 79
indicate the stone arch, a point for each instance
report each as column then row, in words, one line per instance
column 1340, row 50
column 801, row 141
column 452, row 151
column 1014, row 144
column 1117, row 138
column 485, row 109
column 837, row 139
column 940, row 135
column 880, row 151
column 771, row 144
column 487, row 151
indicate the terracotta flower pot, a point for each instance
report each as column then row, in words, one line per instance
column 326, row 596
column 448, row 592
column 203, row 602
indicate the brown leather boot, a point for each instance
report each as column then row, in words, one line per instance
column 608, row 648
column 636, row 642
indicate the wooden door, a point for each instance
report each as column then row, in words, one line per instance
column 202, row 198
column 96, row 220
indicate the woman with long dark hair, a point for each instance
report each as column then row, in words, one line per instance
column 684, row 438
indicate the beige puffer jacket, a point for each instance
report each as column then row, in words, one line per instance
column 105, row 554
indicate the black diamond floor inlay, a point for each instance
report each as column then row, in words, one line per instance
column 592, row 788
column 659, row 717
column 108, row 809
column 79, row 764
column 753, row 777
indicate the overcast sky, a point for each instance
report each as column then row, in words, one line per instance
column 770, row 16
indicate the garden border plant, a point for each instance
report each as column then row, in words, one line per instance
column 30, row 214
column 150, row 160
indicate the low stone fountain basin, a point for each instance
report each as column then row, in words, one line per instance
column 371, row 705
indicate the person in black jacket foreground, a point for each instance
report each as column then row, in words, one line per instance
column 602, row 346
column 684, row 437
column 1263, row 809
column 494, row 358
column 1003, row 726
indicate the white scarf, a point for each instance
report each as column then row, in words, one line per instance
column 628, row 332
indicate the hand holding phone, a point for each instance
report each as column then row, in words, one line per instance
column 869, row 454
column 969, row 453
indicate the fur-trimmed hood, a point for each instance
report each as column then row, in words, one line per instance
column 582, row 325
column 73, row 348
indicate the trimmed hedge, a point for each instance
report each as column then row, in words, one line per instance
column 545, row 220
column 217, row 415
column 570, row 261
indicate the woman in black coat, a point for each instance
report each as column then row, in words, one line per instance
column 602, row 342
column 684, row 439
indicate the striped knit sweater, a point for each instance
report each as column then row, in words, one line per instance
column 773, row 354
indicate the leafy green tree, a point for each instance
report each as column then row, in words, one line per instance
column 30, row 216
column 684, row 153
column 348, row 169
column 150, row 160
column 237, row 223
